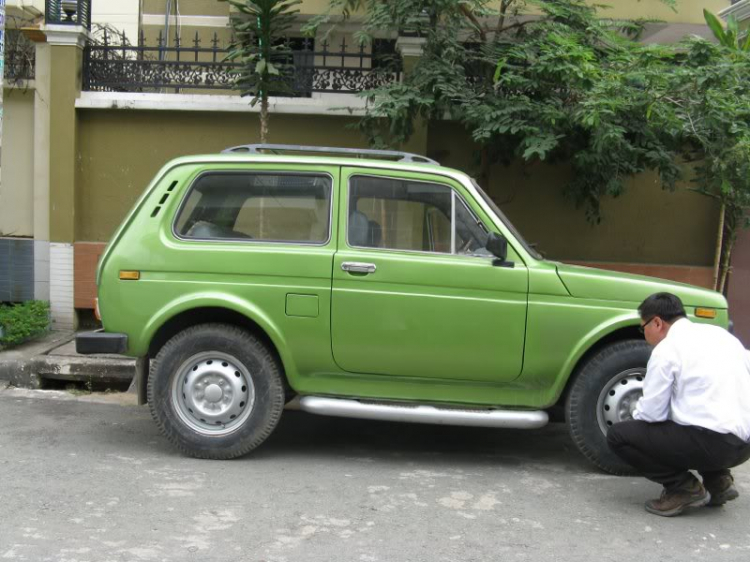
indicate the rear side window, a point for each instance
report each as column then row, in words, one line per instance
column 257, row 206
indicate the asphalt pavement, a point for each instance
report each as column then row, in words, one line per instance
column 89, row 478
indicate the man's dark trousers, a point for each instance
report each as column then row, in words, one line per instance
column 665, row 451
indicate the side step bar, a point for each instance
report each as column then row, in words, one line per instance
column 521, row 419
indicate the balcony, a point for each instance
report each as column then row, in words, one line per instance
column 112, row 63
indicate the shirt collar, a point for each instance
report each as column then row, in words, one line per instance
column 678, row 326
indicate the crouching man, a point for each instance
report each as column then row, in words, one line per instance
column 694, row 413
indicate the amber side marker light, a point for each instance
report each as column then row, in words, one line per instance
column 705, row 313
column 130, row 275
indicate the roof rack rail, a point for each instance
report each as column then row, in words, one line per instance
column 352, row 152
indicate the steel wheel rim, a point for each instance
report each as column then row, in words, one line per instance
column 618, row 398
column 213, row 393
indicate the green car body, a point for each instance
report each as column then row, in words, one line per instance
column 423, row 327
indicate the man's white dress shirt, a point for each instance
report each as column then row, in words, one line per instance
column 698, row 375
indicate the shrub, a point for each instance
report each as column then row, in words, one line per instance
column 21, row 322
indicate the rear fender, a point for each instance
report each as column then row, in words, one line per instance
column 214, row 300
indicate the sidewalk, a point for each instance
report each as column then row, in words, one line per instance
column 53, row 357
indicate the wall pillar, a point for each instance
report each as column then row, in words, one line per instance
column 738, row 292
column 411, row 49
column 59, row 65
column 40, row 179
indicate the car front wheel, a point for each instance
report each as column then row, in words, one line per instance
column 604, row 393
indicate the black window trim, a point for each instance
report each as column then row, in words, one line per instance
column 204, row 173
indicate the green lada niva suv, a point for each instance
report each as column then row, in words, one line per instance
column 366, row 284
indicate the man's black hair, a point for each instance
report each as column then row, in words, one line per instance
column 666, row 306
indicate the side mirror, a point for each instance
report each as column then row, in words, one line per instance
column 497, row 245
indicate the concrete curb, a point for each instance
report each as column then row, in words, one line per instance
column 52, row 357
column 94, row 369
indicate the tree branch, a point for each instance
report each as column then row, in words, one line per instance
column 468, row 13
column 517, row 25
column 501, row 20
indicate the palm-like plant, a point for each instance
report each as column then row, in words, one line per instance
column 729, row 37
column 260, row 27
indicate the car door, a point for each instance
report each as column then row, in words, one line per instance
column 414, row 292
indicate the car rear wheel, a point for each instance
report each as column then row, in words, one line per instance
column 215, row 391
column 605, row 392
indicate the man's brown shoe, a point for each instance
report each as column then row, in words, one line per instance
column 675, row 502
column 722, row 490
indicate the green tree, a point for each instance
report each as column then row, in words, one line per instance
column 536, row 80
column 703, row 101
column 260, row 27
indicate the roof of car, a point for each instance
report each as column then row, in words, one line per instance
column 292, row 154
column 319, row 160
column 266, row 148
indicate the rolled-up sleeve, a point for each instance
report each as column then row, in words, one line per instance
column 657, row 389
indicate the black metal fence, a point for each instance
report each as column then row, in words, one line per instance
column 68, row 12
column 113, row 63
column 19, row 57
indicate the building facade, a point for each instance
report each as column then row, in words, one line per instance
column 84, row 134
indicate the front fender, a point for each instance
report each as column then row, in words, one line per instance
column 587, row 342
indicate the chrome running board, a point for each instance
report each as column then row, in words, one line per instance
column 344, row 408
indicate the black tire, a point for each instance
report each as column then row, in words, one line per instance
column 261, row 377
column 581, row 405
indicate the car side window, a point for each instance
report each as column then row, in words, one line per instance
column 401, row 214
column 257, row 206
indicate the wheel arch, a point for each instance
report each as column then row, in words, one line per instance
column 619, row 334
column 196, row 310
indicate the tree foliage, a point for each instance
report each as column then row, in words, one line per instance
column 538, row 80
column 260, row 27
column 703, row 102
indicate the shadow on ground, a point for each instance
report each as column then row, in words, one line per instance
column 301, row 437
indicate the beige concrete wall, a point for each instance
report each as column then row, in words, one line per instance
column 645, row 225
column 17, row 187
column 120, row 14
column 687, row 11
column 65, row 65
column 121, row 151
column 188, row 7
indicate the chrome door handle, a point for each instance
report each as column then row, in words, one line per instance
column 358, row 267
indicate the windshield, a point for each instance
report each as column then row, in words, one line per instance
column 506, row 222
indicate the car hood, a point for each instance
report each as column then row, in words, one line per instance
column 592, row 283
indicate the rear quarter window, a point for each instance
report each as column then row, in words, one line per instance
column 274, row 207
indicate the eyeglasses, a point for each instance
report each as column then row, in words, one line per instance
column 642, row 329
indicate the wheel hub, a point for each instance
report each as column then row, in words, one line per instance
column 619, row 397
column 213, row 393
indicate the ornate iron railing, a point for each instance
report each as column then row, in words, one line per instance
column 68, row 12
column 19, row 57
column 112, row 63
